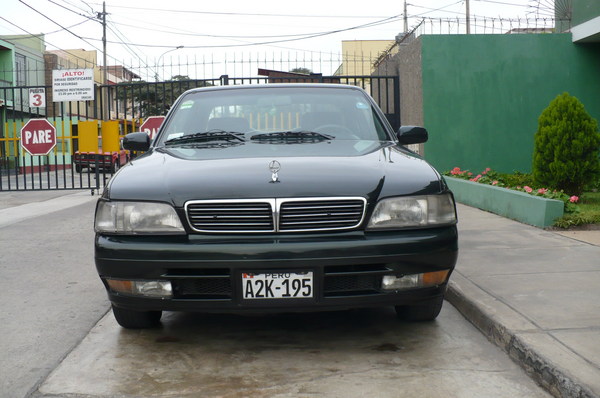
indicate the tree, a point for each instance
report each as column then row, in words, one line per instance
column 155, row 99
column 304, row 71
column 567, row 141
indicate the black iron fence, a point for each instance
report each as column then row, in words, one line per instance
column 87, row 152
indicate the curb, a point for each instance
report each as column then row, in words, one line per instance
column 489, row 315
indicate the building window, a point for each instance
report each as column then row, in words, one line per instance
column 21, row 70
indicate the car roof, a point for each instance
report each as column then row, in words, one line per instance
column 276, row 85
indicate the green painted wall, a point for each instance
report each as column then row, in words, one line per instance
column 585, row 10
column 483, row 94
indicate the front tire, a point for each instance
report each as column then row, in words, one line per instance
column 422, row 312
column 130, row 319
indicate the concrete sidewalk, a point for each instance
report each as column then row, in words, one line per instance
column 20, row 206
column 535, row 294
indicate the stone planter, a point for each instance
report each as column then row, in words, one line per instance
column 520, row 206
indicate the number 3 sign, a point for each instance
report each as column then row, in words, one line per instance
column 37, row 97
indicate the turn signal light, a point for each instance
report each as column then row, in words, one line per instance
column 120, row 286
column 435, row 278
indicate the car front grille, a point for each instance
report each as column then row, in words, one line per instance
column 205, row 284
column 275, row 215
column 230, row 216
column 353, row 280
column 320, row 215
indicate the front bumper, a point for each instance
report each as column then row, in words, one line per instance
column 205, row 271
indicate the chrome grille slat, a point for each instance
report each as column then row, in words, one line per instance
column 275, row 215
column 357, row 214
column 319, row 214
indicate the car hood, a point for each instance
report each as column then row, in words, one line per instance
column 177, row 177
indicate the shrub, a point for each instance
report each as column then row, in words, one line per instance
column 565, row 155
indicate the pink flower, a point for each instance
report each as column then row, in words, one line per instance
column 518, row 187
column 528, row 189
column 574, row 199
column 542, row 190
column 470, row 174
column 494, row 182
column 455, row 171
column 486, row 171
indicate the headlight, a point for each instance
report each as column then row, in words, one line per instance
column 137, row 218
column 413, row 211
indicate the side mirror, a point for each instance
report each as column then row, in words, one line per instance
column 412, row 135
column 136, row 142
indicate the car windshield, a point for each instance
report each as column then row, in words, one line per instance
column 274, row 115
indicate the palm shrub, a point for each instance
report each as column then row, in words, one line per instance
column 565, row 155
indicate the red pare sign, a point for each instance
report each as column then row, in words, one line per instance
column 151, row 125
column 38, row 136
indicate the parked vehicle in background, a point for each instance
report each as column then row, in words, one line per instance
column 107, row 161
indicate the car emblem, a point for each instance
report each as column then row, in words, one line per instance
column 274, row 166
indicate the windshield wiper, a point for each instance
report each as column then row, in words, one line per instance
column 292, row 136
column 207, row 136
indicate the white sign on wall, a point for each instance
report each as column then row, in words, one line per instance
column 37, row 97
column 73, row 85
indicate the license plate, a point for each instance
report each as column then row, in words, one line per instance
column 277, row 285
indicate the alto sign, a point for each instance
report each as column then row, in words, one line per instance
column 38, row 137
column 151, row 125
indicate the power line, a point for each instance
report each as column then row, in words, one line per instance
column 371, row 24
column 188, row 33
column 53, row 21
column 70, row 10
column 34, row 35
column 85, row 4
column 72, row 26
column 434, row 9
column 64, row 28
column 78, row 7
column 120, row 35
column 504, row 3
column 243, row 13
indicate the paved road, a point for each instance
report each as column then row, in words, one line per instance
column 58, row 342
column 49, row 292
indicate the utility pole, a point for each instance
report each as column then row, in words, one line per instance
column 104, row 39
column 405, row 19
column 102, row 18
column 468, row 17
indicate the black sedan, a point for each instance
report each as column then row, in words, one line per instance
column 279, row 197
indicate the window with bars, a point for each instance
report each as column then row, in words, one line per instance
column 21, row 70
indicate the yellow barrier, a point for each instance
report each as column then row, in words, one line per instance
column 110, row 136
column 88, row 136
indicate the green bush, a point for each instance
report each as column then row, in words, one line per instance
column 517, row 179
column 567, row 141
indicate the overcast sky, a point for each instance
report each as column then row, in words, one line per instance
column 234, row 28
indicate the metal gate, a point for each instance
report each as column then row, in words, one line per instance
column 88, row 133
